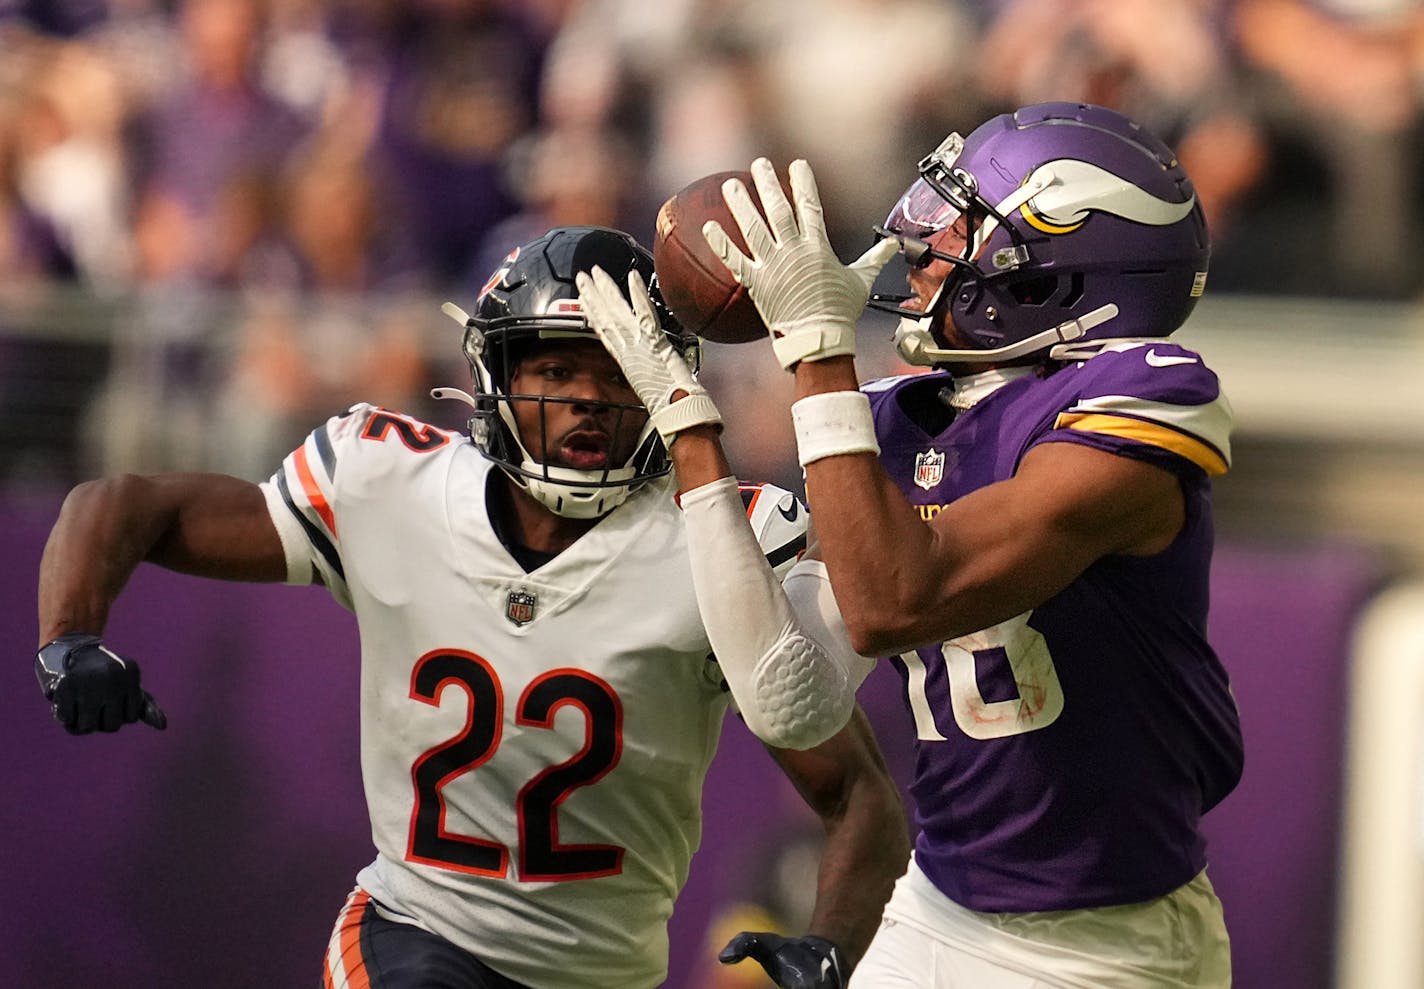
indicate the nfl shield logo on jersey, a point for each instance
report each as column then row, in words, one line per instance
column 929, row 468
column 520, row 607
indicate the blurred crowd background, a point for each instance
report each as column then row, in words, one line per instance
column 222, row 220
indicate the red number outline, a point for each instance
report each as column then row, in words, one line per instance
column 541, row 857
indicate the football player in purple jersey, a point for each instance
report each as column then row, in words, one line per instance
column 1026, row 531
column 539, row 696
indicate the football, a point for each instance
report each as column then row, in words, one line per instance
column 698, row 288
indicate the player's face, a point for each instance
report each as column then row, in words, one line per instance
column 583, row 430
column 925, row 282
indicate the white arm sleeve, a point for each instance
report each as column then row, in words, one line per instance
column 789, row 666
column 808, row 588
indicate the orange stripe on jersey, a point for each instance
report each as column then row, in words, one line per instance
column 1151, row 433
column 756, row 490
column 310, row 489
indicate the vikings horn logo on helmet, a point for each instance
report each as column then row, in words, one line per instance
column 1078, row 188
column 1077, row 226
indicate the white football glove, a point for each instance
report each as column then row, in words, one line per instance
column 809, row 300
column 637, row 342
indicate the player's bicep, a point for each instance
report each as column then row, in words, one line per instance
column 219, row 526
column 1071, row 499
column 1101, row 503
column 1010, row 546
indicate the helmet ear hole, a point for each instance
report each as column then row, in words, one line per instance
column 1034, row 291
column 1064, row 291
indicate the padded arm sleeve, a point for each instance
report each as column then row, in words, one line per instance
column 793, row 680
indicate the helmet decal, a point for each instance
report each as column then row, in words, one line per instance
column 1076, row 225
column 1079, row 188
column 499, row 273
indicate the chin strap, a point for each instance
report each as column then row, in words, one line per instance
column 916, row 344
column 455, row 393
column 460, row 395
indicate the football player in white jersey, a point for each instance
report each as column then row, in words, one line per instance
column 539, row 697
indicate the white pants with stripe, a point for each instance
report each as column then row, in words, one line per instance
column 927, row 941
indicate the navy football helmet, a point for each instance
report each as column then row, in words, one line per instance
column 1080, row 228
column 532, row 297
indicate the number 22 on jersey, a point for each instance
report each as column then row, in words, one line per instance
column 953, row 668
column 542, row 858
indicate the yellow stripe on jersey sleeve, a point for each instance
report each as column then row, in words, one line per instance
column 1151, row 433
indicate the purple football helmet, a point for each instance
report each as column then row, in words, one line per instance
column 1081, row 227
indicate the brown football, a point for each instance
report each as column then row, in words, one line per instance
column 698, row 288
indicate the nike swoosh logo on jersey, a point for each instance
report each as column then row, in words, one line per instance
column 1152, row 359
column 788, row 513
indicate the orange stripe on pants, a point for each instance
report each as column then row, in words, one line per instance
column 345, row 968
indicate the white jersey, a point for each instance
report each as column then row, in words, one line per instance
column 533, row 745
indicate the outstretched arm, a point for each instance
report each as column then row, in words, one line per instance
column 867, row 848
column 793, row 678
column 987, row 557
column 983, row 559
column 206, row 524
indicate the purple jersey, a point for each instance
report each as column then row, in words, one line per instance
column 1065, row 757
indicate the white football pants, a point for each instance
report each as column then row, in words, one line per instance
column 927, row 941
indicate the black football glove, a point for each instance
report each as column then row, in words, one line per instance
column 793, row 963
column 90, row 688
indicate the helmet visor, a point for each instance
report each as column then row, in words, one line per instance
column 921, row 211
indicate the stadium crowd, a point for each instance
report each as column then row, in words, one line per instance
column 265, row 196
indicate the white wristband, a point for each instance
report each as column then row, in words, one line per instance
column 696, row 409
column 817, row 342
column 833, row 423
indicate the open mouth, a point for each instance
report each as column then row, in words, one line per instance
column 915, row 301
column 586, row 449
